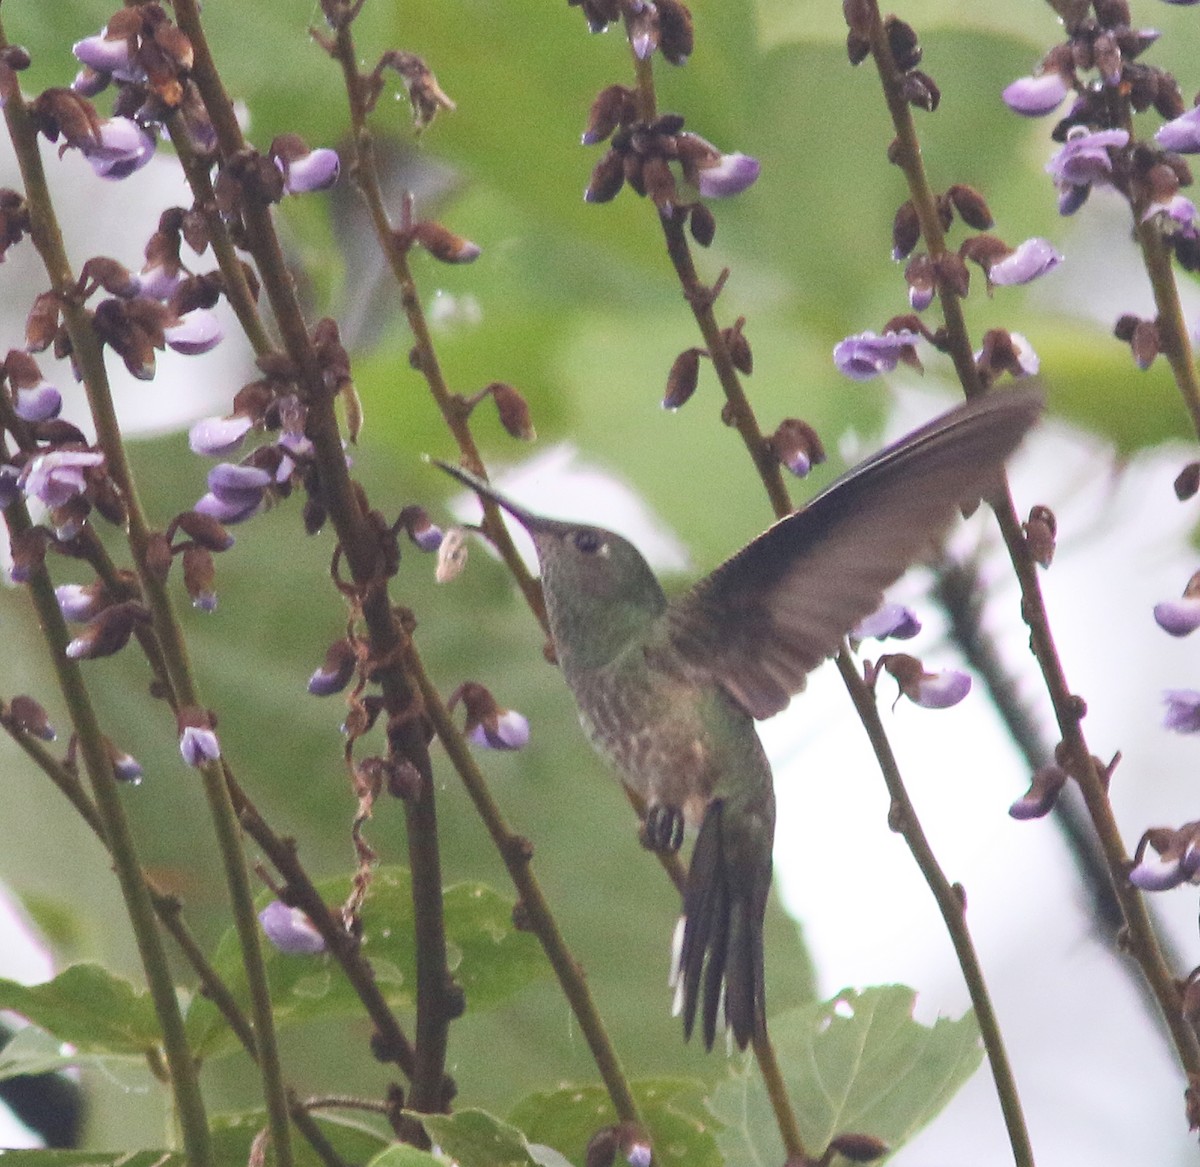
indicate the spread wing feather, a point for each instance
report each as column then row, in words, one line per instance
column 769, row 615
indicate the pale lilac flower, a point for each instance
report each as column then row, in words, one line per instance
column 1035, row 96
column 505, row 730
column 1027, row 359
column 79, row 603
column 227, row 512
column 1042, row 794
column 1183, row 710
column 941, row 690
column 894, row 620
column 1177, row 215
column 38, row 402
column 106, row 56
column 1031, row 259
column 123, row 147
column 198, row 744
column 1084, row 158
column 1156, row 872
column 238, row 484
column 1181, row 134
column 868, row 355
column 158, row 281
column 316, row 170
column 58, row 476
column 214, row 436
column 1178, row 617
column 731, row 175
column 290, row 930
column 195, row 332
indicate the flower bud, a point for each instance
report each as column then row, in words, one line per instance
column 304, row 170
column 971, row 206
column 109, row 632
column 1188, row 481
column 334, row 675
column 613, row 107
column 682, row 378
column 29, row 717
column 513, row 410
column 205, row 530
column 676, row 37
column 889, row 620
column 487, row 723
column 703, row 224
column 903, row 43
column 1040, row 530
column 420, row 528
column 198, row 576
column 443, row 244
column 608, row 176
column 126, row 768
column 859, row 1148
column 198, row 742
column 796, row 444
column 290, row 930
column 81, row 602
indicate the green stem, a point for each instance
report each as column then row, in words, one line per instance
column 358, row 541
column 951, row 903
column 89, row 360
column 109, row 820
column 516, row 853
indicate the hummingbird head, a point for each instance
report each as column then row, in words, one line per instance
column 600, row 592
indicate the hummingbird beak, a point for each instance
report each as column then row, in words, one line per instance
column 530, row 522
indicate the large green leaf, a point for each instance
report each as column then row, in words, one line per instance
column 89, row 1007
column 489, row 957
column 857, row 1063
column 683, row 1131
column 474, row 1138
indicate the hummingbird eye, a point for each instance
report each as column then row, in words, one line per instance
column 589, row 542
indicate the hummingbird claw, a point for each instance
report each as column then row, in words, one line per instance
column 662, row 829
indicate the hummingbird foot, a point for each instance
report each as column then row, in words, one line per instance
column 717, row 965
column 662, row 828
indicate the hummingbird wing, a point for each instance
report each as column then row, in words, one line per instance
column 769, row 615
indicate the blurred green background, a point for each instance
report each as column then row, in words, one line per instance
column 577, row 306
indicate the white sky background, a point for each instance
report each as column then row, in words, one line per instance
column 1097, row 1080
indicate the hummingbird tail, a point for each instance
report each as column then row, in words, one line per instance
column 720, row 954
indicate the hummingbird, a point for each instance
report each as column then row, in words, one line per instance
column 669, row 690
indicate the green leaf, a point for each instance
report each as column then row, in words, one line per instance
column 673, row 1110
column 95, row 1159
column 490, row 959
column 89, row 1007
column 474, row 1138
column 354, row 1141
column 857, row 1063
column 402, row 1155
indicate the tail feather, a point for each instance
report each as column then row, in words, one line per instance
column 721, row 958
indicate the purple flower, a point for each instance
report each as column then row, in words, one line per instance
column 505, row 730
column 1181, row 134
column 1031, row 259
column 942, row 689
column 1183, row 710
column 894, row 620
column 1084, row 157
column 1178, row 215
column 1035, row 96
column 729, row 175
column 1071, row 198
column 316, row 170
column 38, row 402
column 198, row 744
column 158, row 281
column 226, row 512
column 1155, row 872
column 57, row 477
column 238, row 484
column 215, row 436
column 106, row 56
column 336, row 670
column 195, row 332
column 80, row 602
column 126, row 768
column 1042, row 794
column 868, row 355
column 290, row 930
column 1180, row 617
column 123, row 147
column 1027, row 360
